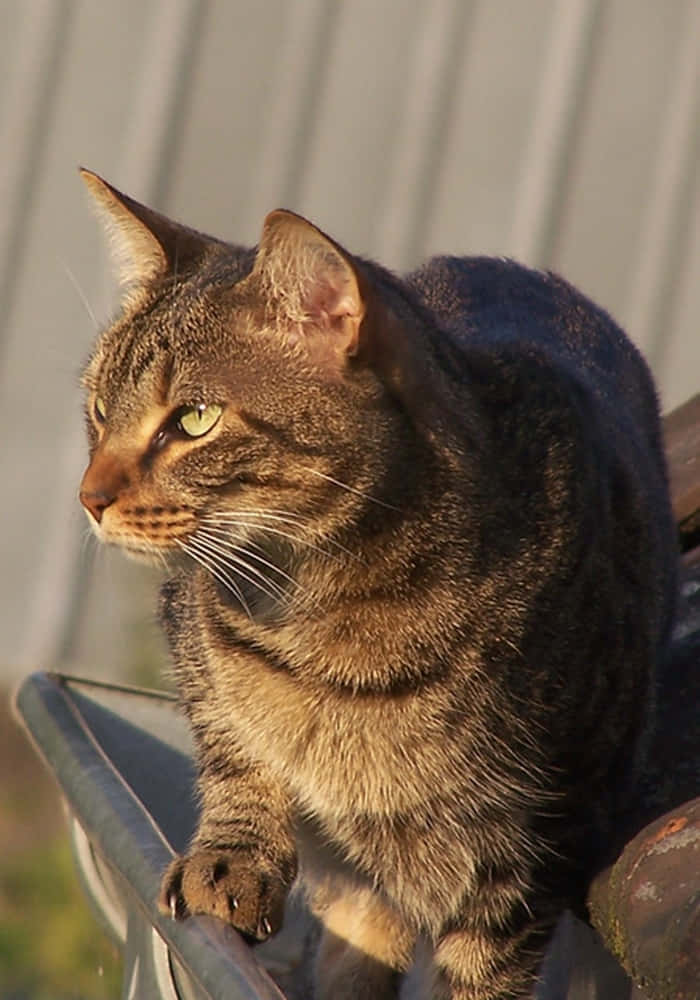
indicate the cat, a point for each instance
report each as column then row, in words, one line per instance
column 422, row 573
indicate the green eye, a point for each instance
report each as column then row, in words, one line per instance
column 198, row 420
column 100, row 410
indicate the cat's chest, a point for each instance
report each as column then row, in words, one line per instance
column 337, row 752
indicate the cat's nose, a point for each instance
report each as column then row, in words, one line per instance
column 96, row 502
column 104, row 480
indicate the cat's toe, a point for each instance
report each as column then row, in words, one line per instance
column 171, row 900
column 228, row 884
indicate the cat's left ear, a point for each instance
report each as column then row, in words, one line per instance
column 313, row 286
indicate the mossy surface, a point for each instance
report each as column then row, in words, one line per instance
column 51, row 945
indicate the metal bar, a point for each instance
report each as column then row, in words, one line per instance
column 123, row 830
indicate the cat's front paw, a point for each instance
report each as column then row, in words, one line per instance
column 230, row 884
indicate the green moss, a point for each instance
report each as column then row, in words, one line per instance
column 51, row 946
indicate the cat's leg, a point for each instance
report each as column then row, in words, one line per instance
column 364, row 948
column 486, row 963
column 242, row 860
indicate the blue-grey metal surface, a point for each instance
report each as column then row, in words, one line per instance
column 122, row 760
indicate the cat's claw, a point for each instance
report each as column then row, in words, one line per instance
column 224, row 884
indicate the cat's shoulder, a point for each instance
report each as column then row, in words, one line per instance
column 496, row 305
column 514, row 325
column 500, row 286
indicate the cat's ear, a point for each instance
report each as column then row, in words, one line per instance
column 146, row 245
column 314, row 286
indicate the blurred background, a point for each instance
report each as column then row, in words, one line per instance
column 565, row 133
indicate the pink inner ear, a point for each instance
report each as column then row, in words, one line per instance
column 311, row 285
column 331, row 297
column 333, row 306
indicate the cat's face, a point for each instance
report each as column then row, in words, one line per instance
column 226, row 405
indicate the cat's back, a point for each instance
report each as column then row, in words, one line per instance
column 550, row 368
column 497, row 309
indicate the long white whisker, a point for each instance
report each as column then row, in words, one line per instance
column 210, row 564
column 88, row 536
column 234, row 562
column 210, row 552
column 238, row 522
column 81, row 295
column 283, row 516
column 218, row 568
column 238, row 519
column 275, row 513
column 350, row 489
column 222, row 535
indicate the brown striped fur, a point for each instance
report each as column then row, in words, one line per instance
column 421, row 574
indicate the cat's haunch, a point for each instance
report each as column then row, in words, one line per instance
column 421, row 572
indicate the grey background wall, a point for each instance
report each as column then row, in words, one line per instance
column 563, row 132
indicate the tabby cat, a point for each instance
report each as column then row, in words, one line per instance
column 421, row 575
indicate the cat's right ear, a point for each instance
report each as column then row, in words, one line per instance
column 145, row 245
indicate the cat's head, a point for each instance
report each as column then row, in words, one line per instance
column 235, row 393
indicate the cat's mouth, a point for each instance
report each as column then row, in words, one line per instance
column 140, row 549
column 151, row 535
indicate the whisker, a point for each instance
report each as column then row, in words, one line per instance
column 88, row 536
column 161, row 556
column 350, row 489
column 238, row 554
column 206, row 561
column 222, row 535
column 274, row 513
column 234, row 562
column 209, row 561
column 237, row 521
column 234, row 518
column 286, row 517
column 81, row 295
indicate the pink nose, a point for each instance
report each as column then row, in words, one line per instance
column 96, row 503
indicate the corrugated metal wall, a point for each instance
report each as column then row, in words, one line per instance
column 563, row 132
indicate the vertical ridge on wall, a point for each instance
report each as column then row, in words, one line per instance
column 666, row 219
column 440, row 46
column 146, row 159
column 562, row 89
column 299, row 72
column 348, row 158
column 681, row 362
column 25, row 107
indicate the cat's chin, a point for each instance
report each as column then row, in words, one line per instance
column 150, row 556
column 147, row 558
column 137, row 548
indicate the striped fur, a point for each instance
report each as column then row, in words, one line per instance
column 421, row 574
